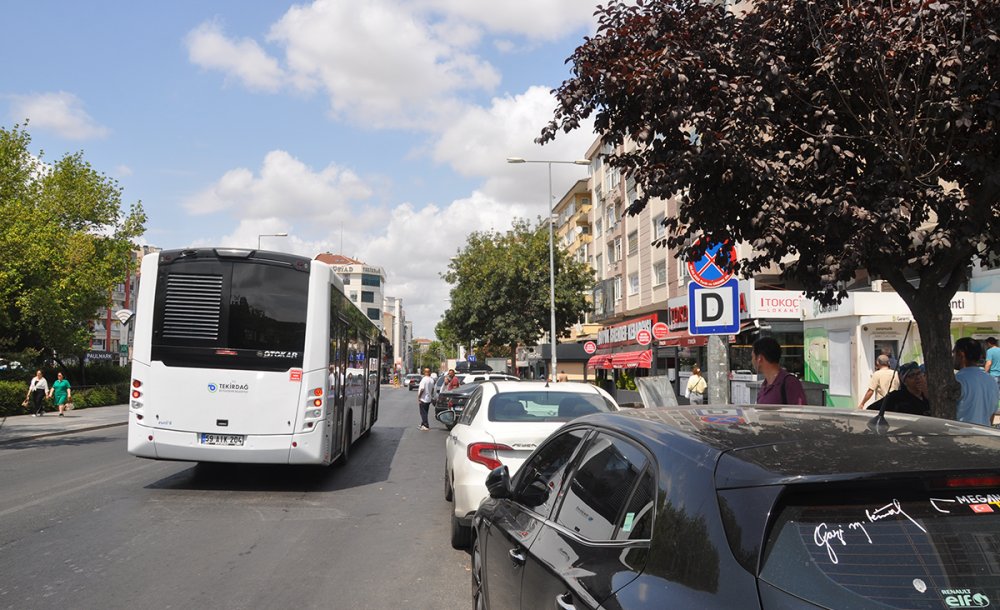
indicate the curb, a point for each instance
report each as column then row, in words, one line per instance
column 22, row 439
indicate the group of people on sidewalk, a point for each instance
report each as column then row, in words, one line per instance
column 905, row 390
column 38, row 390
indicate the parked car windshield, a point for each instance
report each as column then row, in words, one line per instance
column 937, row 549
column 545, row 406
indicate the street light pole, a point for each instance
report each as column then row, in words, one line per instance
column 553, row 361
column 269, row 235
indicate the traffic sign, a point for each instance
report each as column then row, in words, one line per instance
column 643, row 337
column 471, row 357
column 707, row 272
column 661, row 330
column 590, row 347
column 714, row 311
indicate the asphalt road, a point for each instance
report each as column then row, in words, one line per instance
column 84, row 525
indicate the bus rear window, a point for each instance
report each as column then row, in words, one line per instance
column 224, row 314
column 879, row 549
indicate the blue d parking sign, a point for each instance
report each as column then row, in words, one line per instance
column 714, row 311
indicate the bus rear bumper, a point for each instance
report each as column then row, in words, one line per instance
column 162, row 444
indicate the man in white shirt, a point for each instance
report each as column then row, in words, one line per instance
column 424, row 392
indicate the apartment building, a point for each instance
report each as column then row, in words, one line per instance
column 364, row 284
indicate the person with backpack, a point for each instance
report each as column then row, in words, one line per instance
column 780, row 387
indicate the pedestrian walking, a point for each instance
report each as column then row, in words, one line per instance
column 60, row 393
column 980, row 393
column 780, row 387
column 883, row 381
column 424, row 397
column 696, row 387
column 992, row 365
column 911, row 397
column 37, row 390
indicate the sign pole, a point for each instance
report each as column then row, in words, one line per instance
column 718, row 370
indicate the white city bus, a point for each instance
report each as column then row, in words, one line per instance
column 249, row 356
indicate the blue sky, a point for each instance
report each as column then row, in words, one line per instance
column 385, row 121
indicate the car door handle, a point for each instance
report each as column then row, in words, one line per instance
column 564, row 601
column 516, row 556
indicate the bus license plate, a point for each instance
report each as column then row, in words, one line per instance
column 222, row 439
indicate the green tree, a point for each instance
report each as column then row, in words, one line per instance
column 853, row 136
column 64, row 243
column 500, row 288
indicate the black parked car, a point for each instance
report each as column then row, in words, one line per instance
column 455, row 399
column 763, row 507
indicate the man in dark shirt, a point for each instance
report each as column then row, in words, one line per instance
column 911, row 397
column 780, row 387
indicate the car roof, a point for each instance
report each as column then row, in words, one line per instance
column 771, row 445
column 536, row 386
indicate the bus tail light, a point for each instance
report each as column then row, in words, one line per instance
column 317, row 391
column 487, row 454
column 136, row 392
column 318, row 402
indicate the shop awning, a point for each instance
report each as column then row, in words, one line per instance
column 600, row 361
column 626, row 360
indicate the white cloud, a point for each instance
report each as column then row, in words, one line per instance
column 285, row 187
column 478, row 142
column 416, row 246
column 379, row 62
column 547, row 20
column 244, row 59
column 123, row 171
column 61, row 113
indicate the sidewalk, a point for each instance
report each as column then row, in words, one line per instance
column 25, row 427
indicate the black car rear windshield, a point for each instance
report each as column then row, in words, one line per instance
column 544, row 406
column 876, row 548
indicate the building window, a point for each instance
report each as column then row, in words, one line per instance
column 612, row 217
column 367, row 297
column 660, row 273
column 633, row 243
column 682, row 271
column 618, row 288
column 597, row 227
column 598, row 261
column 370, row 279
column 346, row 278
column 618, row 249
column 374, row 313
column 611, row 252
column 633, row 284
column 354, row 296
column 659, row 231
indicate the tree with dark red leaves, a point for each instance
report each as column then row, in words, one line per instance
column 854, row 135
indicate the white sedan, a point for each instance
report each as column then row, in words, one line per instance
column 502, row 423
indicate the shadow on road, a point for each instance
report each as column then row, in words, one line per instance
column 371, row 459
column 56, row 440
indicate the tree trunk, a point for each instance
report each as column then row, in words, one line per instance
column 513, row 359
column 934, row 323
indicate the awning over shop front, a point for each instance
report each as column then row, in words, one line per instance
column 600, row 361
column 625, row 360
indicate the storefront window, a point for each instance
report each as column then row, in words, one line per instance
column 741, row 352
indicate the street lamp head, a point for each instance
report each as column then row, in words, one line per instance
column 515, row 160
column 281, row 234
column 581, row 162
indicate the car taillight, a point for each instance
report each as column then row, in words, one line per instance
column 980, row 481
column 136, row 384
column 486, row 454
